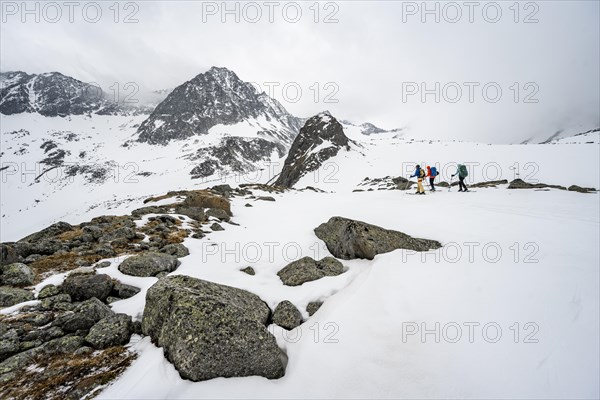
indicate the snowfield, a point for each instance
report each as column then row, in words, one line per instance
column 522, row 264
column 507, row 308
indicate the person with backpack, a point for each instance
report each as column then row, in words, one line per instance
column 462, row 173
column 432, row 173
column 419, row 174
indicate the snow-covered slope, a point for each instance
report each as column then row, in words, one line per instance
column 508, row 308
column 74, row 167
column 515, row 287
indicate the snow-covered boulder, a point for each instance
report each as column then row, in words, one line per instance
column 348, row 239
column 209, row 330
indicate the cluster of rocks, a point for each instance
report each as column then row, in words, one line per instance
column 521, row 184
column 401, row 183
column 385, row 183
column 72, row 318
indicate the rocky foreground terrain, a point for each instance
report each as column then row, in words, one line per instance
column 62, row 339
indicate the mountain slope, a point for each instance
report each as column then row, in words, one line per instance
column 212, row 98
column 50, row 94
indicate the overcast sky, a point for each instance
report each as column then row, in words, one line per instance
column 377, row 56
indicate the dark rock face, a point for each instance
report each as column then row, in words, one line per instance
column 234, row 155
column 286, row 315
column 321, row 137
column 209, row 330
column 55, row 94
column 575, row 188
column 307, row 269
column 149, row 264
column 521, row 184
column 16, row 274
column 85, row 286
column 114, row 330
column 9, row 296
column 248, row 270
column 349, row 239
column 215, row 97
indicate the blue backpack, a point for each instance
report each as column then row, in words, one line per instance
column 434, row 172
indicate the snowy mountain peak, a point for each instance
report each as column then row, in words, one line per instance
column 53, row 94
column 216, row 97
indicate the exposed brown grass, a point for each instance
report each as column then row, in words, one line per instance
column 178, row 236
column 67, row 377
column 70, row 235
column 207, row 199
column 56, row 263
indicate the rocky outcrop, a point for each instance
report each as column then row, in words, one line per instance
column 489, row 184
column 209, row 330
column 234, row 155
column 149, row 264
column 308, row 269
column 320, row 139
column 286, row 315
column 349, row 239
column 385, row 183
column 248, row 270
column 521, row 184
column 575, row 188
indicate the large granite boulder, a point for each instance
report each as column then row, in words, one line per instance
column 349, row 239
column 16, row 274
column 209, row 330
column 85, row 286
column 307, row 269
column 149, row 264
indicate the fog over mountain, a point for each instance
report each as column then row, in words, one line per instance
column 440, row 78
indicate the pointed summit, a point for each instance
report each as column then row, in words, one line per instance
column 320, row 139
column 215, row 97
